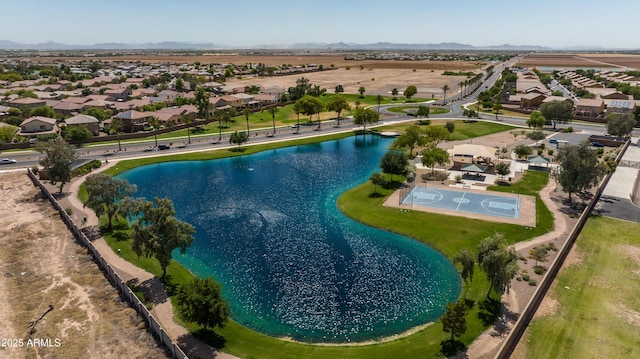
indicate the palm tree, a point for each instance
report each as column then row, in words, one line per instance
column 394, row 93
column 461, row 83
column 116, row 126
column 220, row 115
column 273, row 111
column 445, row 88
column 187, row 121
column 247, row 113
column 379, row 99
column 297, row 108
column 155, row 123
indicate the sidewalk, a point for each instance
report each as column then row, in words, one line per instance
column 162, row 308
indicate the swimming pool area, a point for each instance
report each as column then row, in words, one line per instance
column 486, row 204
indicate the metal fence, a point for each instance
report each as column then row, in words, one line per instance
column 510, row 343
column 113, row 277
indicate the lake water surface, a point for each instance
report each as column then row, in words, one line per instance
column 290, row 263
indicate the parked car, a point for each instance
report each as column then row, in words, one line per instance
column 553, row 140
column 164, row 147
column 7, row 161
column 597, row 144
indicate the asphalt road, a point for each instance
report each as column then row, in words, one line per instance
column 147, row 148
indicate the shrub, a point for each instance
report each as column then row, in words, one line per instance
column 539, row 270
column 69, row 210
column 533, row 282
column 424, row 122
column 458, row 178
column 526, row 277
column 519, row 278
column 550, row 152
column 552, row 246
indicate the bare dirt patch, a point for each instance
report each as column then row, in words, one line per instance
column 42, row 266
column 376, row 81
column 581, row 60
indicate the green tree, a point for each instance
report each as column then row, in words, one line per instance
column 77, row 133
column 106, row 195
column 423, row 111
column 114, row 128
column 410, row 91
column 536, row 120
column 361, row 90
column 412, row 137
column 378, row 180
column 433, row 156
column 578, row 168
column 179, row 84
column 339, row 89
column 363, row 116
column 444, row 88
column 523, row 151
column 435, row 135
column 450, row 126
column 309, row 105
column 98, row 113
column 620, row 125
column 57, row 160
column 499, row 262
column 394, row 162
column 557, row 112
column 44, row 111
column 238, row 138
column 394, row 93
column 454, row 319
column 201, row 302
column 465, row 258
column 338, row 104
column 157, row 232
column 202, row 102
column 8, row 133
column 187, row 121
column 502, row 169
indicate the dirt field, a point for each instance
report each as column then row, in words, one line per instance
column 42, row 266
column 581, row 60
column 376, row 81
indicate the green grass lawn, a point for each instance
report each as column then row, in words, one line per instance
column 358, row 203
column 463, row 129
column 406, row 109
column 598, row 312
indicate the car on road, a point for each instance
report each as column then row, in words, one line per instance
column 7, row 161
column 295, row 126
column 164, row 147
column 553, row 140
column 597, row 144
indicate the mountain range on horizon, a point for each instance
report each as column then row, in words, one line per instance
column 337, row 46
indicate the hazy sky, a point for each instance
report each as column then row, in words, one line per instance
column 555, row 23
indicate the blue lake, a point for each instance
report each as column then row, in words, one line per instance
column 290, row 263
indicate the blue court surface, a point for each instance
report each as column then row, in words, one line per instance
column 470, row 202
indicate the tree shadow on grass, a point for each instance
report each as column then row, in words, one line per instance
column 451, row 348
column 210, row 337
column 375, row 195
column 489, row 311
column 169, row 285
column 238, row 149
column 392, row 185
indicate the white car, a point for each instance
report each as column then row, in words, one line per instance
column 7, row 161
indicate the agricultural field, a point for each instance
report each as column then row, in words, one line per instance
column 580, row 60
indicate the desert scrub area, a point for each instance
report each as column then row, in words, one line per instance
column 592, row 309
column 43, row 270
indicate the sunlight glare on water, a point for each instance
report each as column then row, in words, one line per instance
column 291, row 265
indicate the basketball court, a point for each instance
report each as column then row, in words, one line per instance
column 485, row 205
